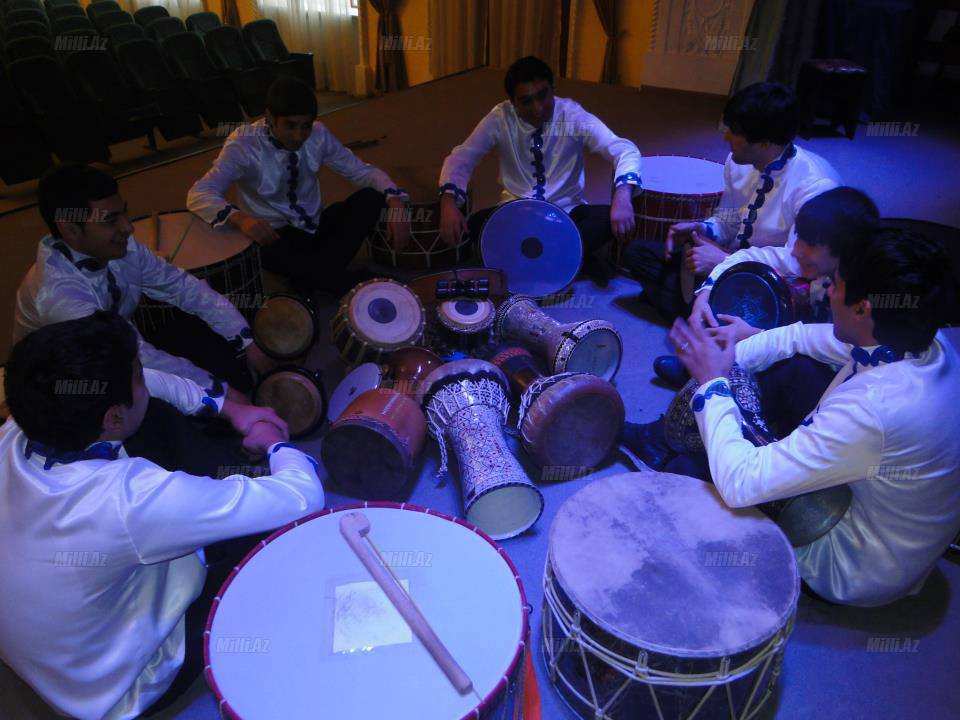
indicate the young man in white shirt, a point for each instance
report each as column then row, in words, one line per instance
column 90, row 261
column 767, row 179
column 540, row 140
column 101, row 560
column 886, row 424
column 274, row 163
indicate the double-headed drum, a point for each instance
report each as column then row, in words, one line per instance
column 662, row 602
column 300, row 629
column 375, row 318
column 426, row 250
column 467, row 405
column 296, row 394
column 587, row 346
column 465, row 325
column 285, row 327
column 676, row 189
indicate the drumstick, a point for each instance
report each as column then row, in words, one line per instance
column 355, row 527
column 182, row 238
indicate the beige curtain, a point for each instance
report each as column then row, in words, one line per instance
column 324, row 27
column 391, row 70
column 607, row 11
column 524, row 27
column 458, row 32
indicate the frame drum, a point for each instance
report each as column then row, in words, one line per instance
column 757, row 293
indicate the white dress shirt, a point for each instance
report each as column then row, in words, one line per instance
column 65, row 285
column 795, row 179
column 275, row 184
column 545, row 164
column 99, row 561
column 886, row 428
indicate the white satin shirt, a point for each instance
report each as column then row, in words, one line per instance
column 889, row 431
column 99, row 562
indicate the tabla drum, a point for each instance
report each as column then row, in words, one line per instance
column 803, row 518
column 366, row 376
column 466, row 405
column 535, row 243
column 285, row 327
column 373, row 447
column 662, row 602
column 568, row 423
column 676, row 189
column 224, row 257
column 296, row 394
column 408, row 367
column 465, row 324
column 300, row 623
column 426, row 250
column 587, row 346
column 377, row 317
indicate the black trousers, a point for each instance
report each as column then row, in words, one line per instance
column 317, row 260
column 660, row 278
column 593, row 222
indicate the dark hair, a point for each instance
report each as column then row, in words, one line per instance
column 837, row 218
column 61, row 379
column 763, row 112
column 526, row 69
column 65, row 192
column 291, row 96
column 908, row 279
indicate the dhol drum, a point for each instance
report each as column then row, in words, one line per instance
column 588, row 346
column 535, row 243
column 465, row 325
column 662, row 602
column 296, row 394
column 301, row 622
column 366, row 376
column 426, row 249
column 225, row 258
column 376, row 317
column 764, row 298
column 466, row 404
column 407, row 368
column 285, row 327
column 676, row 189
column 569, row 421
column 803, row 518
column 372, row 449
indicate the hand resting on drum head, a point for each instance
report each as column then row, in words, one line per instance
column 733, row 330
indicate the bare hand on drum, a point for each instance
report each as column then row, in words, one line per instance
column 623, row 219
column 680, row 234
column 701, row 354
column 244, row 417
column 398, row 224
column 452, row 223
column 734, row 331
column 258, row 362
column 261, row 436
column 257, row 229
column 703, row 256
column 701, row 314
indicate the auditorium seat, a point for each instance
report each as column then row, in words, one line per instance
column 202, row 22
column 24, row 4
column 76, row 40
column 26, row 29
column 146, row 15
column 267, row 47
column 64, row 25
column 101, row 7
column 50, row 4
column 142, row 64
column 157, row 30
column 27, row 47
column 14, row 17
column 67, row 124
column 59, row 12
column 229, row 55
column 213, row 96
column 108, row 20
column 23, row 152
column 119, row 34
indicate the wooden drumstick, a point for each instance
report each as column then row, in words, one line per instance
column 355, row 528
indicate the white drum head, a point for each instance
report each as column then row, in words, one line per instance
column 367, row 376
column 302, row 630
column 386, row 313
column 597, row 353
column 506, row 511
column 678, row 175
column 466, row 315
column 187, row 241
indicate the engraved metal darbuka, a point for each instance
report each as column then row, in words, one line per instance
column 588, row 346
column 466, row 405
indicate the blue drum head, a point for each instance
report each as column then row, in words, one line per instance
column 535, row 244
column 755, row 292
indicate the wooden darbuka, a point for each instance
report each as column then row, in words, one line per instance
column 676, row 189
column 571, row 420
column 285, row 327
column 587, row 346
column 375, row 318
column 662, row 602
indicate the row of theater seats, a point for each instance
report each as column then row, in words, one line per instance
column 74, row 92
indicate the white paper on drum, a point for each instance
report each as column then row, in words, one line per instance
column 364, row 618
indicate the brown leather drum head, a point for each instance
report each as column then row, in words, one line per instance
column 574, row 423
column 295, row 396
column 285, row 327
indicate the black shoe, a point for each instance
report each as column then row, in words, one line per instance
column 669, row 369
column 648, row 443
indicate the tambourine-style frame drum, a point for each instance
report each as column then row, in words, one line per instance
column 225, row 258
column 285, row 327
column 466, row 403
column 676, row 189
column 426, row 249
column 296, row 394
column 662, row 602
column 300, row 629
column 535, row 243
column 377, row 317
column 757, row 293
column 465, row 324
column 589, row 346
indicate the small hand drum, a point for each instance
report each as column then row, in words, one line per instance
column 296, row 394
column 757, row 293
column 285, row 327
column 375, row 318
column 465, row 324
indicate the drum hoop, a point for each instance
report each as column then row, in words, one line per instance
column 224, row 705
column 535, row 391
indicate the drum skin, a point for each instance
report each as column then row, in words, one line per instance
column 296, row 394
column 377, row 317
column 465, row 324
column 285, row 327
column 676, row 189
column 755, row 292
column 372, row 449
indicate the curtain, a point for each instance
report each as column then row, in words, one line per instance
column 458, row 30
column 324, row 27
column 524, row 27
column 230, row 13
column 391, row 71
column 607, row 10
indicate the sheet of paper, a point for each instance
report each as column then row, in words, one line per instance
column 364, row 618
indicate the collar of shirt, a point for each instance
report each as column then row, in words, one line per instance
column 872, row 356
column 81, row 261
column 102, row 450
